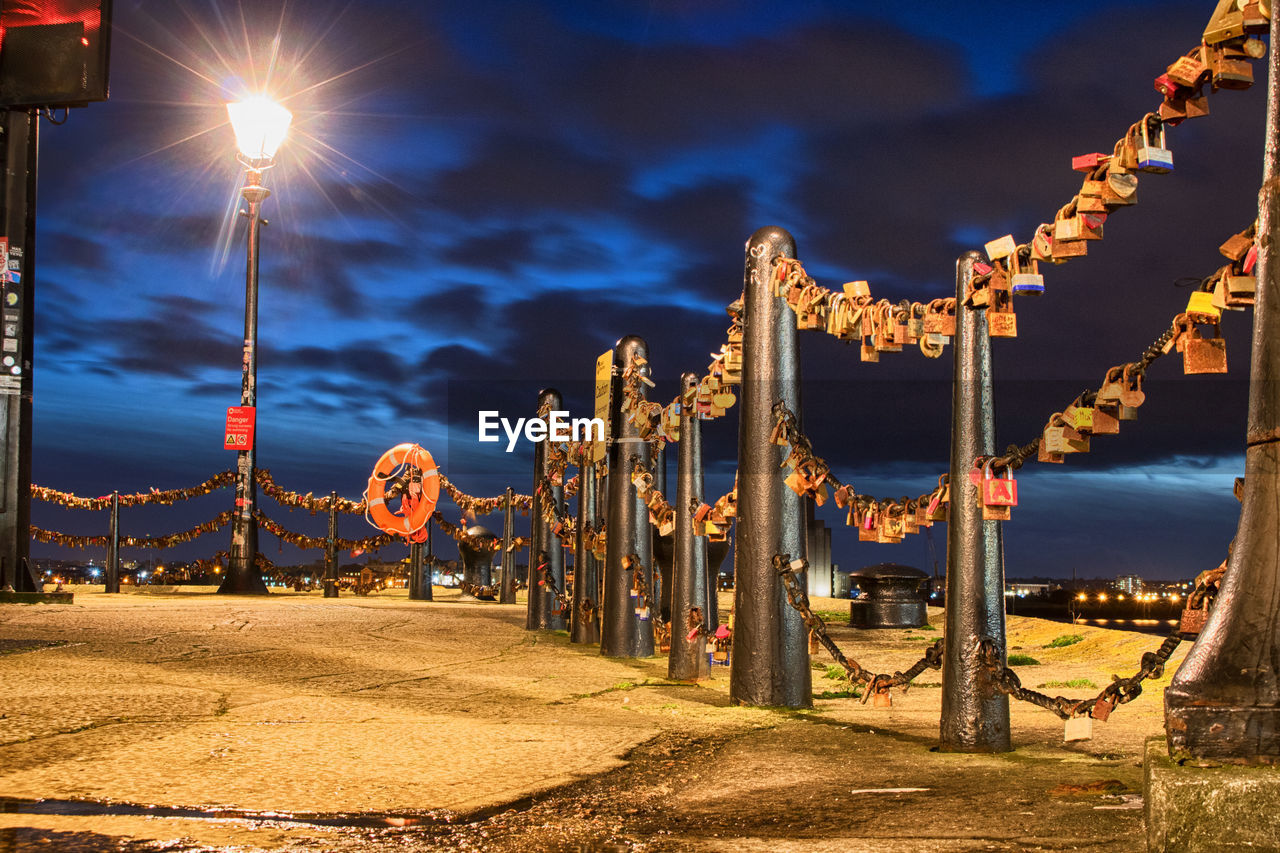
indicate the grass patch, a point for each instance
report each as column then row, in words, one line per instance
column 916, row 638
column 833, row 615
column 1023, row 660
column 1063, row 640
column 927, row 627
column 835, row 672
column 1079, row 683
column 850, row 693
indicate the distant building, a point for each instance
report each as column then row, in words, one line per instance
column 1128, row 583
column 1023, row 589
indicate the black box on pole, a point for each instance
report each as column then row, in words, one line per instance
column 54, row 53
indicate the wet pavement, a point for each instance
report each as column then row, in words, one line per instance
column 293, row 724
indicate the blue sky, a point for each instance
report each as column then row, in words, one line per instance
column 477, row 199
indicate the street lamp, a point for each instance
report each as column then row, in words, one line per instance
column 260, row 125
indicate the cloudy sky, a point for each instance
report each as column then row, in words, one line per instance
column 477, row 199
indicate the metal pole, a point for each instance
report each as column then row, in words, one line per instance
column 242, row 572
column 331, row 550
column 21, row 146
column 111, row 583
column 663, row 546
column 770, row 661
column 1224, row 702
column 688, row 658
column 546, row 547
column 427, row 568
column 584, row 626
column 624, row 632
column 415, row 571
column 975, row 718
column 507, row 595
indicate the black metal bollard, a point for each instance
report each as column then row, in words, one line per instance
column 507, row 592
column 1224, row 701
column 415, row 571
column 690, row 610
column 331, row 551
column 111, row 580
column 424, row 568
column 541, row 613
column 663, row 546
column 716, row 552
column 625, row 633
column 770, row 662
column 477, row 552
column 975, row 718
column 584, row 624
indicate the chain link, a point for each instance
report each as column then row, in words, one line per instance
column 789, row 570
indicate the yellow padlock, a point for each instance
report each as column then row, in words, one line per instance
column 1201, row 304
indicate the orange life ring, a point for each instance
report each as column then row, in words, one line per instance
column 414, row 514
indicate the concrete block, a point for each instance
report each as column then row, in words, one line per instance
column 1228, row 807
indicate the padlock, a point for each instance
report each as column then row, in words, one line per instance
column 1109, row 393
column 1174, row 110
column 1205, row 355
column 1131, row 394
column 1106, row 420
column 1165, row 85
column 1080, row 416
column 1067, row 225
column 1238, row 245
column 1189, row 71
column 1227, row 22
column 1102, row 709
column 1230, row 67
column 1002, row 324
column 1153, row 157
column 1255, row 16
column 643, row 613
column 1121, row 186
column 1089, row 162
column 1200, row 307
column 857, row 289
column 1001, row 247
column 881, row 699
column 1240, row 290
column 996, row 492
column 915, row 322
column 1192, row 621
column 1091, row 225
column 1042, row 244
column 1025, row 280
column 1078, row 728
column 940, row 318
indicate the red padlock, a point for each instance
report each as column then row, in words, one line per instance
column 996, row 491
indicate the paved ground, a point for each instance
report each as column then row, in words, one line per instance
column 379, row 723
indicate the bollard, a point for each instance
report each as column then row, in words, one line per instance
column 975, row 718
column 476, row 552
column 770, row 662
column 111, row 580
column 690, row 609
column 624, row 633
column 427, row 567
column 507, row 594
column 663, row 546
column 584, row 622
column 415, row 571
column 716, row 552
column 331, row 551
column 1223, row 703
column 546, row 547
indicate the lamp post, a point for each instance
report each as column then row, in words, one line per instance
column 260, row 125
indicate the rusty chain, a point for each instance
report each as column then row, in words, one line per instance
column 563, row 605
column 788, row 570
column 1121, row 690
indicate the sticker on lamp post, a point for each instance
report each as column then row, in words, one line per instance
column 239, row 432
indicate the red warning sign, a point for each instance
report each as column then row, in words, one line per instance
column 239, row 432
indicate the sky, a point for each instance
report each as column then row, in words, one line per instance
column 477, row 199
